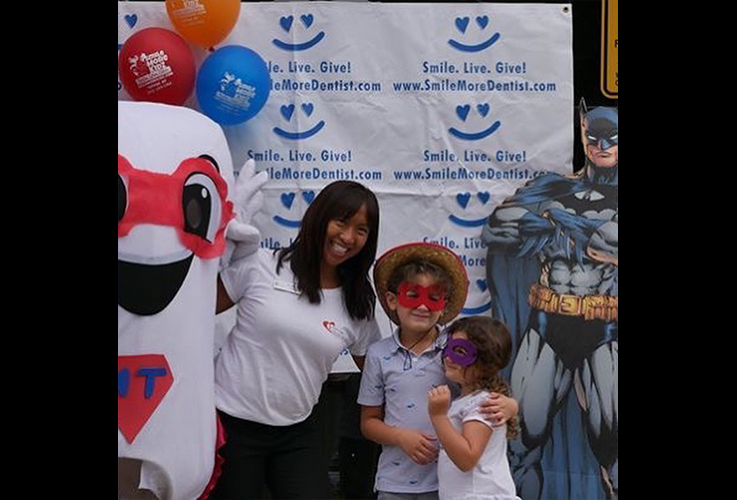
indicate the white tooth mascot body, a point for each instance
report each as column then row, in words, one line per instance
column 175, row 176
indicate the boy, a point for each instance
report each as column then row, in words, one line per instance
column 420, row 286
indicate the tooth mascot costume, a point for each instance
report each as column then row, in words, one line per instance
column 175, row 200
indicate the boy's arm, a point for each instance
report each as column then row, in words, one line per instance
column 463, row 449
column 498, row 408
column 420, row 447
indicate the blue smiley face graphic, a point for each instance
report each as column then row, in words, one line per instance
column 463, row 200
column 482, row 286
column 287, row 200
column 287, row 112
column 462, row 25
column 287, row 22
column 462, row 111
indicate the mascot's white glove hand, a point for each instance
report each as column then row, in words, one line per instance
column 242, row 238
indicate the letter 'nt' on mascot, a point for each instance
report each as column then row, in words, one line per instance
column 175, row 192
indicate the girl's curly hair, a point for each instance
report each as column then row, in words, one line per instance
column 494, row 349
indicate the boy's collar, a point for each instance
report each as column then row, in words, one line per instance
column 440, row 340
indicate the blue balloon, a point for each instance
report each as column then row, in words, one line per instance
column 233, row 85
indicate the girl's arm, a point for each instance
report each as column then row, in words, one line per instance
column 420, row 447
column 464, row 449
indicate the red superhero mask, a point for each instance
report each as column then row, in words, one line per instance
column 192, row 199
column 412, row 295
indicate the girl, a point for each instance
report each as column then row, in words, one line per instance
column 298, row 309
column 473, row 460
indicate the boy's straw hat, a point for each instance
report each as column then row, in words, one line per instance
column 438, row 255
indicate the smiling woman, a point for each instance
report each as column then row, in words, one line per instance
column 298, row 309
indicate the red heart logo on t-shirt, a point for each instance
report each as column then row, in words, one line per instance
column 328, row 325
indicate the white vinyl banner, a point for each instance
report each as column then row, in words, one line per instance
column 443, row 110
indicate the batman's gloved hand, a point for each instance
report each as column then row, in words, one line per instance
column 536, row 232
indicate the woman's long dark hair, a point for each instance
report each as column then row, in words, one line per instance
column 339, row 200
column 494, row 349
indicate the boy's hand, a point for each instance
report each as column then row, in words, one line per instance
column 418, row 446
column 498, row 408
column 438, row 400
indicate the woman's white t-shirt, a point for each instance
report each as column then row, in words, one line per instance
column 282, row 348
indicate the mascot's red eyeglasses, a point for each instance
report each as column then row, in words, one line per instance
column 192, row 199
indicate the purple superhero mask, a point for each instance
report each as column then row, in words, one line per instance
column 460, row 351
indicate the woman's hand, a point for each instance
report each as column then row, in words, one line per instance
column 498, row 408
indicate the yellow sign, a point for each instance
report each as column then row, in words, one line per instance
column 610, row 48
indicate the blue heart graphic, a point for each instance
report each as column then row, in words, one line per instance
column 484, row 197
column 483, row 109
column 462, row 23
column 287, row 199
column 286, row 23
column 482, row 21
column 462, row 111
column 286, row 111
column 463, row 199
column 307, row 20
column 482, row 285
column 307, row 108
column 308, row 196
column 131, row 19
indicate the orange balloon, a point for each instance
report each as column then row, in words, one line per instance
column 204, row 22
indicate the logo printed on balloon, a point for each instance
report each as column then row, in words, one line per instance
column 204, row 22
column 189, row 9
column 287, row 200
column 463, row 200
column 287, row 112
column 306, row 21
column 234, row 93
column 149, row 67
column 463, row 24
column 462, row 111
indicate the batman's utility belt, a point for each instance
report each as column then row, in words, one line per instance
column 591, row 307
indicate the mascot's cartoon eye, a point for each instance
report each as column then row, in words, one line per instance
column 122, row 198
column 211, row 160
column 201, row 206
